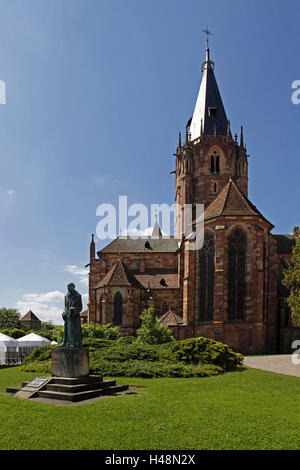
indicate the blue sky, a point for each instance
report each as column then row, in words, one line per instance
column 97, row 92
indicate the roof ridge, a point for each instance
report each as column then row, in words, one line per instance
column 248, row 202
column 112, row 269
column 126, row 274
column 227, row 192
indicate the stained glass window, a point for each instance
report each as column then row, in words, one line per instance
column 118, row 308
column 212, row 164
column 207, row 276
column 100, row 308
column 236, row 275
column 217, row 164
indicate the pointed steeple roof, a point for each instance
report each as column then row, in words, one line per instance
column 156, row 232
column 209, row 113
column 30, row 316
column 119, row 275
column 231, row 201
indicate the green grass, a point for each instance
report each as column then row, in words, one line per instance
column 238, row 410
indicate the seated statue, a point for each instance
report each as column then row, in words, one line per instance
column 71, row 316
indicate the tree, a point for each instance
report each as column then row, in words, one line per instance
column 9, row 318
column 291, row 279
column 151, row 331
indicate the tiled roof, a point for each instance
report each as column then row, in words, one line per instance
column 30, row 316
column 231, row 202
column 285, row 243
column 158, row 281
column 141, row 245
column 119, row 275
column 170, row 318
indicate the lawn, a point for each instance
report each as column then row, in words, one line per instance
column 238, row 410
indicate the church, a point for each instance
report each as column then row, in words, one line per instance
column 230, row 290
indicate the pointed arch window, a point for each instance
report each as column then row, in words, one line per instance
column 212, row 164
column 100, row 308
column 236, row 275
column 207, row 277
column 118, row 308
column 217, row 164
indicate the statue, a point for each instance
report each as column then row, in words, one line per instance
column 71, row 316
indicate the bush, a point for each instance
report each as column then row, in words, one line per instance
column 194, row 357
column 136, row 368
column 151, row 331
column 97, row 343
column 58, row 334
column 203, row 351
column 14, row 332
column 136, row 351
column 41, row 354
column 126, row 340
column 43, row 368
column 95, row 330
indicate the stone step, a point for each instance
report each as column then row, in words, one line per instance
column 77, row 380
column 12, row 389
column 67, row 396
column 58, row 387
column 16, row 389
column 115, row 389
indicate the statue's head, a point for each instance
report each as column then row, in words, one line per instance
column 71, row 287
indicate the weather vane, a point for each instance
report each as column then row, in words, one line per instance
column 208, row 33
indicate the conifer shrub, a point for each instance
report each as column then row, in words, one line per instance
column 41, row 367
column 116, row 352
column 40, row 354
column 126, row 340
column 194, row 357
column 98, row 343
column 203, row 351
column 147, row 369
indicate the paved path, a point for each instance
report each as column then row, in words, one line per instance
column 282, row 364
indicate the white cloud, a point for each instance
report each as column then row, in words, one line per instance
column 46, row 306
column 11, row 192
column 80, row 273
column 52, row 296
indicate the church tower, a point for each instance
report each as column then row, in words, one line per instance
column 229, row 285
column 210, row 155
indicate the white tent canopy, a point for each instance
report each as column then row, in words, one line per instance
column 32, row 340
column 7, row 341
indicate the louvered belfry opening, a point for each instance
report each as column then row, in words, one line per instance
column 118, row 308
column 207, row 271
column 236, row 275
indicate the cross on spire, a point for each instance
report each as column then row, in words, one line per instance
column 208, row 33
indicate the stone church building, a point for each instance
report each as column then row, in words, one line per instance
column 230, row 290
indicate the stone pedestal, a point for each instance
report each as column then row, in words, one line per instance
column 70, row 362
